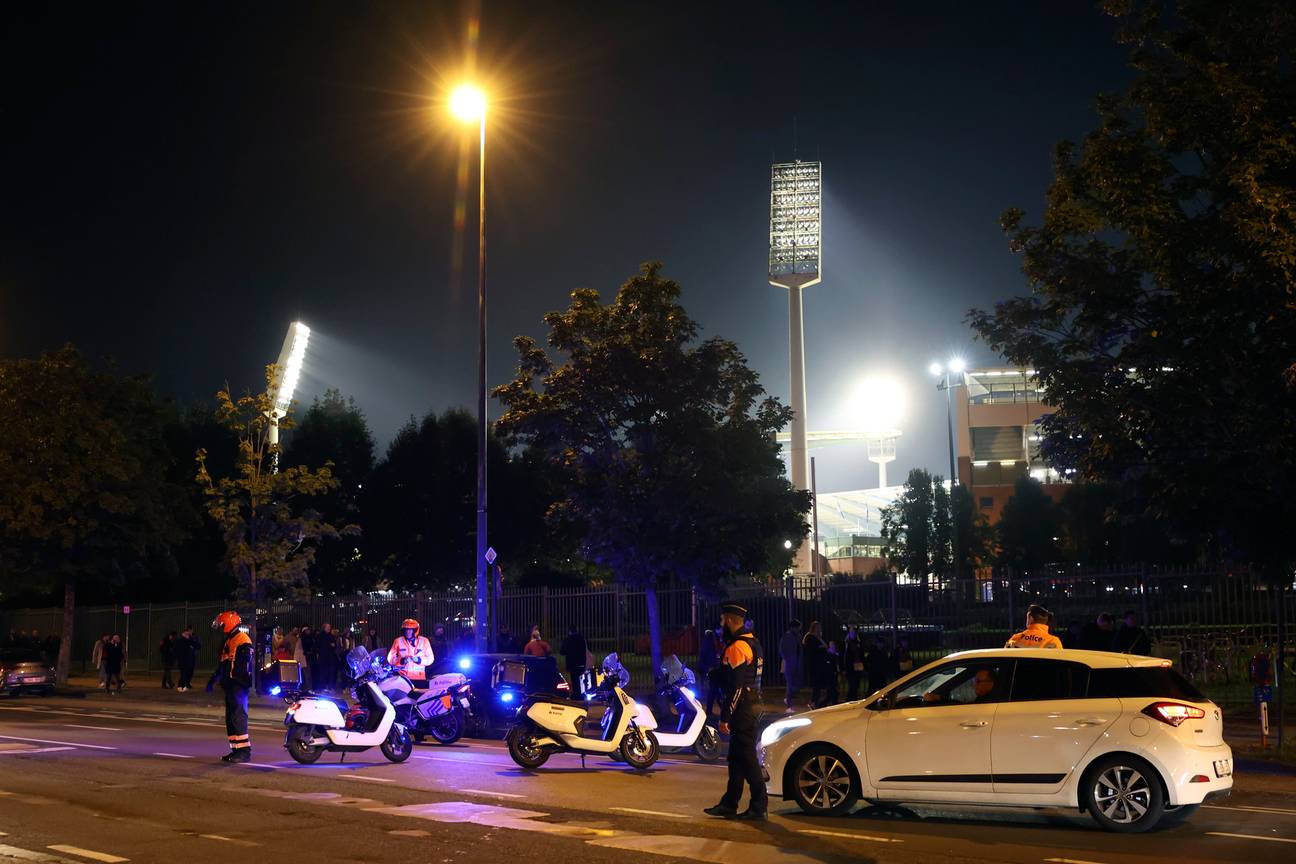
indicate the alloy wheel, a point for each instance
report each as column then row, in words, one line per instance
column 824, row 781
column 1122, row 794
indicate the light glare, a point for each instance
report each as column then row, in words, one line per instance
column 936, row 369
column 957, row 365
column 467, row 102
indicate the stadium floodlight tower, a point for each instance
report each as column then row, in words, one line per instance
column 796, row 262
column 287, row 372
column 879, row 402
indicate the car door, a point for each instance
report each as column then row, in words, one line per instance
column 933, row 739
column 1046, row 727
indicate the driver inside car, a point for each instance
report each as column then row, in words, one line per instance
column 983, row 686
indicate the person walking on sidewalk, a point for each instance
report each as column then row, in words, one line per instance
column 234, row 671
column 742, row 664
column 113, row 658
column 186, row 655
column 168, row 651
column 96, row 657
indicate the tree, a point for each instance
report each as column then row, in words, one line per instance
column 1028, row 527
column 84, row 497
column 666, row 445
column 972, row 536
column 334, row 430
column 1161, row 318
column 270, row 538
column 915, row 537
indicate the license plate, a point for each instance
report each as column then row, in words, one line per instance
column 1224, row 768
column 33, row 679
column 463, row 702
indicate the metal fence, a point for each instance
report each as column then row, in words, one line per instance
column 1210, row 623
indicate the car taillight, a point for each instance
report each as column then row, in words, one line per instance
column 1173, row 713
column 562, row 685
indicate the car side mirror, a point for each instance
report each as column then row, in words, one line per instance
column 882, row 703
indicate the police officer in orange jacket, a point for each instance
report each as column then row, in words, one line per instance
column 1036, row 634
column 411, row 653
column 234, row 672
column 739, row 675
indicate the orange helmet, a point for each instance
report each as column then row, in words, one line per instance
column 410, row 624
column 227, row 622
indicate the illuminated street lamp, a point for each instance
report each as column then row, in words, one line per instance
column 947, row 382
column 287, row 372
column 468, row 103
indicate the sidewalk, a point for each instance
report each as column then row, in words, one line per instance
column 148, row 693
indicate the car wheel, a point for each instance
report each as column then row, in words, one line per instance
column 823, row 782
column 1123, row 794
column 1181, row 813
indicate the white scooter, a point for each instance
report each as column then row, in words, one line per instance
column 549, row 724
column 317, row 723
column 690, row 730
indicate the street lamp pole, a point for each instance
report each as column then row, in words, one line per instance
column 945, row 382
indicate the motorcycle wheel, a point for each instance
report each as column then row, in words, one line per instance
column 299, row 747
column 707, row 746
column 524, row 750
column 448, row 728
column 639, row 748
column 398, row 746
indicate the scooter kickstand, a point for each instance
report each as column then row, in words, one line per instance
column 582, row 761
column 343, row 759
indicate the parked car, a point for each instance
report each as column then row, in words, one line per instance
column 496, row 699
column 1126, row 739
column 25, row 670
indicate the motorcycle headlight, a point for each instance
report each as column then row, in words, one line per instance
column 777, row 730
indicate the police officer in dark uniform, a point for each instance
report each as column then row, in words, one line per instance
column 234, row 672
column 740, row 671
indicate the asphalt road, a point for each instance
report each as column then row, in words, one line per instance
column 94, row 780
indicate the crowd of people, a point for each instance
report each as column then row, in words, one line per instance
column 47, row 646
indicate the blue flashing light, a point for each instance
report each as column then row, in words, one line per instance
column 506, row 696
column 465, row 663
column 276, row 690
column 687, row 692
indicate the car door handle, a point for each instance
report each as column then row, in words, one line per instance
column 1091, row 721
column 974, row 724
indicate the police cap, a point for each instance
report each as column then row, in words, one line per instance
column 733, row 609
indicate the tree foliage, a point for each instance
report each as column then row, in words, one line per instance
column 1162, row 318
column 1029, row 528
column 665, row 444
column 915, row 531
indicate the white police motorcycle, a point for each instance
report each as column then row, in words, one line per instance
column 440, row 709
column 319, row 722
column 690, row 729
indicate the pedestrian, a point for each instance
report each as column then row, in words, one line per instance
column 812, row 651
column 96, row 657
column 537, row 647
column 284, row 645
column 790, row 653
column 186, row 651
column 506, row 642
column 411, row 654
column 234, row 672
column 440, row 647
column 902, row 662
column 467, row 641
column 877, row 663
column 1036, row 634
column 742, row 663
column 114, row 657
column 853, row 664
column 1097, row 634
column 167, row 649
column 276, row 643
column 573, row 649
column 832, row 672
column 371, row 642
column 299, row 653
column 1131, row 638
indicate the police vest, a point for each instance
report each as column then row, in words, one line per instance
column 749, row 674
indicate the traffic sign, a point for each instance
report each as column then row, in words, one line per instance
column 125, row 610
column 490, row 555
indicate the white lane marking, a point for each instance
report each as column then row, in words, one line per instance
column 649, row 812
column 97, row 728
column 174, row 755
column 257, row 765
column 363, row 777
column 229, row 839
column 47, row 741
column 29, row 855
column 33, row 750
column 489, row 792
column 89, row 853
column 848, row 836
column 1071, row 861
column 1251, row 809
column 1250, row 837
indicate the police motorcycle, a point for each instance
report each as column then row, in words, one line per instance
column 690, row 729
column 440, row 711
column 317, row 722
column 548, row 724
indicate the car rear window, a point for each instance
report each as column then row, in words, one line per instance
column 1137, row 681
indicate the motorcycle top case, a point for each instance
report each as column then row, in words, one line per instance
column 285, row 673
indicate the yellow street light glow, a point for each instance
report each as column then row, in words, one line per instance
column 467, row 103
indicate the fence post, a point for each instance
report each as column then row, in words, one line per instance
column 1280, row 665
column 1011, row 613
column 148, row 643
column 616, row 616
column 544, row 610
column 893, row 612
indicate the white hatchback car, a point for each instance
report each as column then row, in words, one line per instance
column 1125, row 738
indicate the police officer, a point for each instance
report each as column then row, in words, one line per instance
column 740, row 670
column 1036, row 634
column 234, row 672
column 411, row 654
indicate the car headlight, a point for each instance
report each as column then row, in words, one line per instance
column 778, row 729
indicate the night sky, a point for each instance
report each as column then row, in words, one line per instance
column 182, row 180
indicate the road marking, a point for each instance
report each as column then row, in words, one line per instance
column 257, row 765
column 1250, row 837
column 1251, row 809
column 489, row 792
column 413, row 832
column 1071, row 861
column 363, row 777
column 848, row 836
column 98, row 728
column 229, row 839
column 33, row 750
column 29, row 855
column 47, row 741
column 174, row 755
column 647, row 812
column 89, row 853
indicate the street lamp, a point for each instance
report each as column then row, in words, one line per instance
column 468, row 103
column 287, row 372
column 946, row 381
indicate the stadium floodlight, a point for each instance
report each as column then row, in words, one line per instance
column 468, row 103
column 936, row 370
column 956, row 365
column 796, row 262
column 288, row 369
